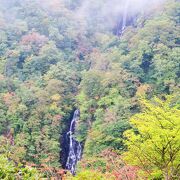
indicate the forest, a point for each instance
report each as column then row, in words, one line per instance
column 89, row 89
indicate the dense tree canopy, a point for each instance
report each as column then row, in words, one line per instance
column 57, row 56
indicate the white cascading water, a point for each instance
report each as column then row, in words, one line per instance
column 125, row 13
column 75, row 148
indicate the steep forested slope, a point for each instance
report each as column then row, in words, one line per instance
column 57, row 56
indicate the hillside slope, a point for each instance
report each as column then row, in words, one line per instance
column 58, row 56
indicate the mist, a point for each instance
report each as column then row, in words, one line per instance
column 113, row 11
column 106, row 13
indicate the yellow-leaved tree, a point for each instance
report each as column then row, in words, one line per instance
column 154, row 142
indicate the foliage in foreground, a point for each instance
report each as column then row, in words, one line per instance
column 10, row 171
column 87, row 175
column 154, row 142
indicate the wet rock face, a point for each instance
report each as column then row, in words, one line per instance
column 64, row 141
column 125, row 18
column 119, row 27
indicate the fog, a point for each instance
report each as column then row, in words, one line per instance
column 113, row 9
column 93, row 12
column 115, row 6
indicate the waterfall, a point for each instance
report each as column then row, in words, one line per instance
column 123, row 19
column 125, row 13
column 75, row 148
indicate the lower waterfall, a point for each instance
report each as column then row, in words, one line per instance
column 75, row 148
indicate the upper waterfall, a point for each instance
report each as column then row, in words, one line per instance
column 125, row 15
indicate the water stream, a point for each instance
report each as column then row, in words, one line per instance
column 75, row 148
column 124, row 20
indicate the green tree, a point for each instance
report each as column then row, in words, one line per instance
column 86, row 175
column 154, row 143
column 8, row 171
